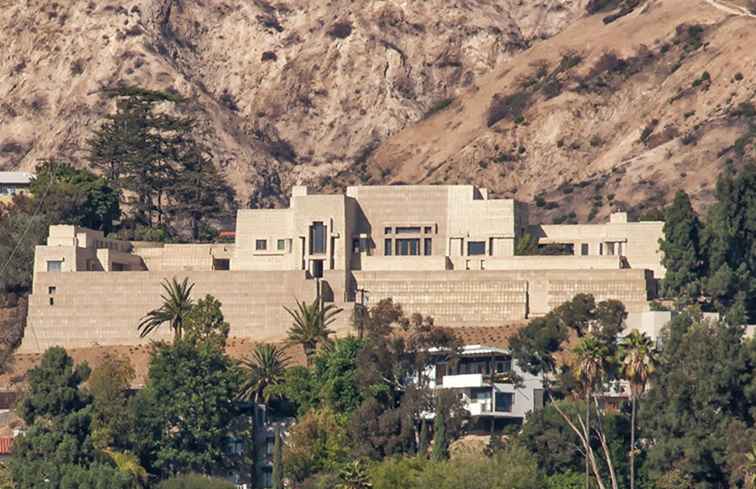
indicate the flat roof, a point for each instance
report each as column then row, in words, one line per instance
column 16, row 177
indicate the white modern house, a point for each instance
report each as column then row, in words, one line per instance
column 13, row 182
column 494, row 389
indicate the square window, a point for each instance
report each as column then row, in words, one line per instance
column 428, row 230
column 261, row 244
column 55, row 265
column 387, row 230
column 504, row 401
column 51, row 290
column 407, row 247
column 281, row 245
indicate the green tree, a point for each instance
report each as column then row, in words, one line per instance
column 187, row 411
column 56, row 451
column 108, row 384
column 422, row 448
column 638, row 357
column 354, row 476
column 75, row 196
column 278, row 472
column 22, row 227
column 704, row 385
column 683, row 257
column 264, row 367
column 554, row 445
column 205, row 323
column 317, row 443
column 730, row 238
column 440, row 443
column 177, row 306
column 194, row 481
column 311, row 325
column 199, row 190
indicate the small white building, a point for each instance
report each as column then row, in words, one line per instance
column 483, row 376
column 13, row 183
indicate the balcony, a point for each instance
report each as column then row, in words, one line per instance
column 464, row 381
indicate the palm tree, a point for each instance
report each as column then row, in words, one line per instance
column 177, row 303
column 638, row 357
column 264, row 366
column 310, row 327
column 591, row 362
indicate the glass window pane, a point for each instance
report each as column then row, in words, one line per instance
column 54, row 266
column 281, row 245
column 386, row 230
column 317, row 238
column 261, row 244
column 428, row 247
column 476, row 248
column 407, row 247
column 387, row 247
column 408, row 230
column 428, row 229
column 504, row 401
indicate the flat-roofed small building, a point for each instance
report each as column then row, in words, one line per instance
column 13, row 183
column 446, row 251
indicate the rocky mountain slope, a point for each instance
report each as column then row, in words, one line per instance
column 288, row 90
column 599, row 117
column 525, row 98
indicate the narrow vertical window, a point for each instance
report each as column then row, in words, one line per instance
column 427, row 247
column 387, row 247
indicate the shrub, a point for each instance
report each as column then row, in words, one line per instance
column 551, row 89
column 268, row 56
column 192, row 481
column 439, row 106
column 649, row 129
column 540, row 201
column 738, row 76
column 689, row 138
column 595, row 6
column 229, row 101
column 507, row 107
column 596, row 141
column 567, row 480
column 551, row 205
column 341, row 30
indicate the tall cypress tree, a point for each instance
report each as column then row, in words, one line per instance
column 440, row 442
column 424, row 438
column 682, row 249
column 277, row 476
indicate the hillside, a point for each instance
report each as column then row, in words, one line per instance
column 287, row 91
column 600, row 116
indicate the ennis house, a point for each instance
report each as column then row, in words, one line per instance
column 444, row 251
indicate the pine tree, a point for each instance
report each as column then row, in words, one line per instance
column 682, row 249
column 278, row 482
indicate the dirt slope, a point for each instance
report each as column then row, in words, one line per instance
column 291, row 90
column 652, row 104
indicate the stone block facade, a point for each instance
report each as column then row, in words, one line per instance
column 443, row 251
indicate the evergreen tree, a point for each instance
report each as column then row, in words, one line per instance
column 56, row 451
column 701, row 398
column 187, row 411
column 422, row 449
column 682, row 249
column 199, row 190
column 731, row 241
column 440, row 443
column 278, row 482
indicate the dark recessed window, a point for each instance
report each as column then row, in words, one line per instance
column 317, row 238
column 427, row 247
column 261, row 244
column 584, row 249
column 476, row 248
column 407, row 247
column 428, row 230
column 355, row 245
column 504, row 401
column 408, row 230
column 387, row 247
column 54, row 265
column 386, row 230
column 281, row 244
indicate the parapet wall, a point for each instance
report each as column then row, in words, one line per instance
column 96, row 308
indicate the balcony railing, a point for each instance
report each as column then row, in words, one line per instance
column 463, row 381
